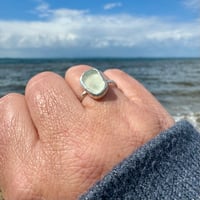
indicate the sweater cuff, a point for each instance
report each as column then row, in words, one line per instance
column 167, row 167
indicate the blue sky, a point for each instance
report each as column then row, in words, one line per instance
column 89, row 28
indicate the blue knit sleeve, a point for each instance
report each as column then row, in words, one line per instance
column 166, row 168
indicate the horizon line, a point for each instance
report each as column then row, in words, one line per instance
column 102, row 57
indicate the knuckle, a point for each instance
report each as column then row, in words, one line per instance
column 8, row 117
column 9, row 98
column 46, row 102
column 39, row 81
column 41, row 93
column 7, row 123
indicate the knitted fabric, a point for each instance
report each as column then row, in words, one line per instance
column 166, row 168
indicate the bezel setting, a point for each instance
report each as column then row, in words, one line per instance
column 94, row 83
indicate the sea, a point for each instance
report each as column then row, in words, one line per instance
column 174, row 81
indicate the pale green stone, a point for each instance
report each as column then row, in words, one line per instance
column 93, row 82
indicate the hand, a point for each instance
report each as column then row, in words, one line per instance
column 53, row 146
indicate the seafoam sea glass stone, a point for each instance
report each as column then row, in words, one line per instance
column 94, row 83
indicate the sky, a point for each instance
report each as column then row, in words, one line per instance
column 99, row 28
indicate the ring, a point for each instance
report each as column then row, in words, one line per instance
column 94, row 83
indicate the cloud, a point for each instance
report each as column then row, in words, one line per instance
column 67, row 32
column 192, row 4
column 110, row 6
column 43, row 9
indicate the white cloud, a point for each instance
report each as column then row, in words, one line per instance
column 110, row 6
column 192, row 4
column 43, row 9
column 65, row 32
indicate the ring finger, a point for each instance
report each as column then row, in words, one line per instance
column 73, row 79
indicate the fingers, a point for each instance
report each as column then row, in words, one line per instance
column 16, row 124
column 139, row 95
column 17, row 132
column 73, row 79
column 52, row 104
column 131, row 88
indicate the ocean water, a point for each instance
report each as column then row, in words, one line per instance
column 175, row 82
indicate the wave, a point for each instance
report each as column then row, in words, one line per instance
column 193, row 118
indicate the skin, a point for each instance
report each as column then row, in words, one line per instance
column 54, row 146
